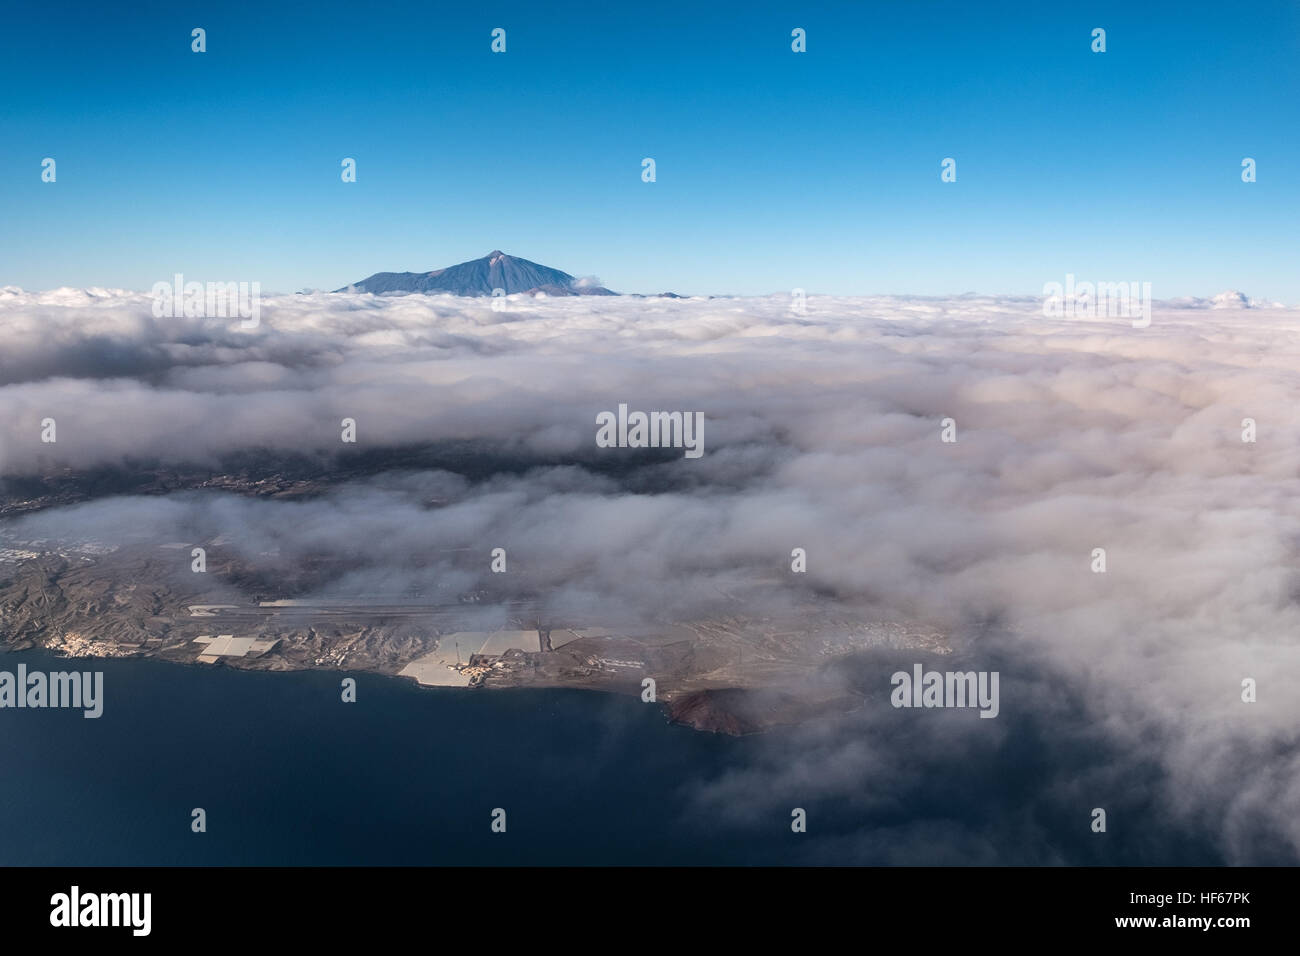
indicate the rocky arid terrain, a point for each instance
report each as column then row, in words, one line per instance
column 83, row 596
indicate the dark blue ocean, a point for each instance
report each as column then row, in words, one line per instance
column 290, row 775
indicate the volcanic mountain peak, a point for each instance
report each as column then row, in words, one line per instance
column 496, row 270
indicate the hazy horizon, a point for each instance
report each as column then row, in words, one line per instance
column 1174, row 300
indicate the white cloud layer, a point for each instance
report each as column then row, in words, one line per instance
column 822, row 432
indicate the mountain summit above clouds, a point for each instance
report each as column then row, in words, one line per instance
column 1229, row 299
column 494, row 271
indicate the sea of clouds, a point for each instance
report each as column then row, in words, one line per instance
column 1120, row 690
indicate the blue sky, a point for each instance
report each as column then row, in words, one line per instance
column 775, row 170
